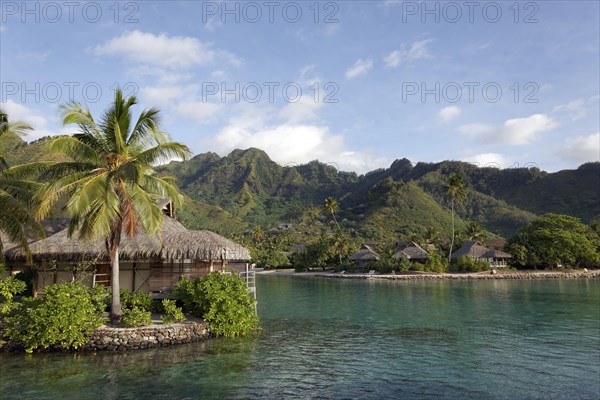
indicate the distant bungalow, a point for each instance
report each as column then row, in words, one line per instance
column 477, row 251
column 412, row 252
column 148, row 263
column 364, row 256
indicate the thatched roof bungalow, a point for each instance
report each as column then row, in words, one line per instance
column 477, row 251
column 151, row 263
column 412, row 252
column 365, row 255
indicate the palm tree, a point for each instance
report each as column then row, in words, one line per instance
column 332, row 206
column 110, row 185
column 456, row 191
column 16, row 193
column 431, row 235
column 7, row 128
column 475, row 231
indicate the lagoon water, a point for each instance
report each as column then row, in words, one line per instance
column 357, row 339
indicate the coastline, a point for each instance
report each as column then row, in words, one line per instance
column 516, row 275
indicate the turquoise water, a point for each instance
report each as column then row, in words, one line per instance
column 345, row 339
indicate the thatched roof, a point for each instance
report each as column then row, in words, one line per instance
column 202, row 245
column 50, row 226
column 366, row 253
column 472, row 249
column 173, row 242
column 412, row 252
column 495, row 244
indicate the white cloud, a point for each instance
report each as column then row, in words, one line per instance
column 578, row 108
column 447, row 114
column 39, row 123
column 162, row 95
column 292, row 143
column 199, row 111
column 360, row 67
column 20, row 112
column 514, row 132
column 494, row 160
column 581, row 149
column 303, row 110
column 212, row 23
column 163, row 50
column 416, row 51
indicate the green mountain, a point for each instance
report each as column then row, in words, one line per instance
column 394, row 201
column 246, row 189
column 252, row 187
column 16, row 151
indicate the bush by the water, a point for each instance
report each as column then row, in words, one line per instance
column 135, row 317
column 467, row 264
column 9, row 288
column 65, row 316
column 140, row 300
column 172, row 313
column 222, row 300
column 436, row 263
column 137, row 308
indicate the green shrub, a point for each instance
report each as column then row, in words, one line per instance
column 140, row 300
column 468, row 264
column 134, row 317
column 435, row 263
column 65, row 317
column 172, row 313
column 189, row 292
column 417, row 267
column 403, row 265
column 28, row 276
column 10, row 287
column 223, row 300
column 100, row 296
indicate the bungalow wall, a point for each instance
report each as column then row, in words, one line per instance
column 146, row 276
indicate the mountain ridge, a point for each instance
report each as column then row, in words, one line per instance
column 247, row 189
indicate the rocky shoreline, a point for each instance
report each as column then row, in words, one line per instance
column 107, row 338
column 474, row 276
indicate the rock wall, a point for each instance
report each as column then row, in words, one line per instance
column 119, row 339
column 122, row 339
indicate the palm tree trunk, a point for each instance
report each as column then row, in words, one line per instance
column 339, row 231
column 115, row 308
column 113, row 253
column 452, row 241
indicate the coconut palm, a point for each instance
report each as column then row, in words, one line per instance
column 456, row 191
column 332, row 206
column 110, row 186
column 16, row 192
column 431, row 235
column 475, row 231
column 7, row 128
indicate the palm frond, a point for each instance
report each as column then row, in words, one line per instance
column 76, row 149
column 162, row 153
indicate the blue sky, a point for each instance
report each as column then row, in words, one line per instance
column 352, row 83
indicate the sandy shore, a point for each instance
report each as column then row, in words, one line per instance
column 525, row 275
